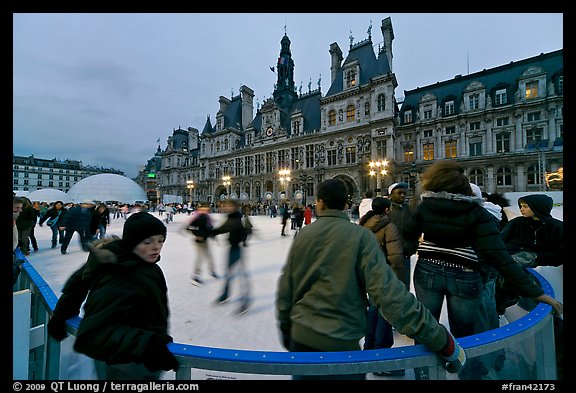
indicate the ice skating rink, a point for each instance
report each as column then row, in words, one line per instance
column 196, row 318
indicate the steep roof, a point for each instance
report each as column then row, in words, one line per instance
column 370, row 66
column 505, row 76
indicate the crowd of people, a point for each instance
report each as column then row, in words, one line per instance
column 353, row 287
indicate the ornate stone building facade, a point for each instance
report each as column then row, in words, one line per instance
column 505, row 124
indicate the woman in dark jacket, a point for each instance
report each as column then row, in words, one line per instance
column 125, row 323
column 460, row 246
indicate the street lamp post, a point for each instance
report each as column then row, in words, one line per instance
column 378, row 169
column 190, row 187
column 284, row 177
column 227, row 182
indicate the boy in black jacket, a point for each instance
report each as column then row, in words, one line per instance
column 237, row 234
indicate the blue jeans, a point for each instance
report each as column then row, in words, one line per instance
column 469, row 299
column 378, row 330
column 57, row 235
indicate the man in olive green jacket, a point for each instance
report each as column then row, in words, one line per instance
column 322, row 292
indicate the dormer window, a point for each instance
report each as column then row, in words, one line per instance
column 500, row 97
column 408, row 117
column 531, row 89
column 449, row 108
column 350, row 78
column 473, row 101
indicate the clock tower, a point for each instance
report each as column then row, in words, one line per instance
column 285, row 91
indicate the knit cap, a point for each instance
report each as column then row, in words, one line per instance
column 140, row 226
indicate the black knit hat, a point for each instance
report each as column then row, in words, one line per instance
column 140, row 226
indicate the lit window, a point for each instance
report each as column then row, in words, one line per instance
column 332, row 118
column 428, row 151
column 450, row 150
column 350, row 113
column 408, row 154
column 350, row 78
column 532, row 89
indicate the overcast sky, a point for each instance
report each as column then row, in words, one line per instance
column 103, row 88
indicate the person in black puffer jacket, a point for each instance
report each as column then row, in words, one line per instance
column 125, row 323
column 460, row 249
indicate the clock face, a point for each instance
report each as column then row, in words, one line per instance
column 269, row 131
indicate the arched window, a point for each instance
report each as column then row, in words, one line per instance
column 381, row 102
column 332, row 118
column 504, row 177
column 476, row 176
column 350, row 113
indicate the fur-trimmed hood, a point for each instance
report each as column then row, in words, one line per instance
column 108, row 252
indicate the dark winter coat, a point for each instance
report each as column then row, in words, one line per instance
column 453, row 220
column 53, row 216
column 400, row 214
column 201, row 226
column 77, row 218
column 233, row 226
column 126, row 304
column 27, row 218
column 544, row 236
column 390, row 241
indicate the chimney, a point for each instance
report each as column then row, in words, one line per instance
column 247, row 106
column 224, row 102
column 336, row 60
column 388, row 35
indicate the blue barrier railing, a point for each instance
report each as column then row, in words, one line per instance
column 536, row 326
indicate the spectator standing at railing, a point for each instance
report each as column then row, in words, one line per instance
column 332, row 265
column 379, row 333
column 17, row 203
column 125, row 323
column 459, row 250
column 535, row 239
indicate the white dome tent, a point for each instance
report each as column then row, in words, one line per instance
column 107, row 187
column 48, row 195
